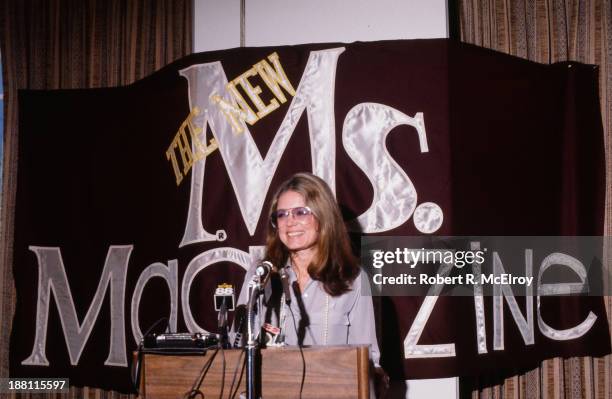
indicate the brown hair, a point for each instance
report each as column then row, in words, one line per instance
column 334, row 265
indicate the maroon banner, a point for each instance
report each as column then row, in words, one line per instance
column 134, row 203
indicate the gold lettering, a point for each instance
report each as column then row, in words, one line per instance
column 234, row 115
column 273, row 77
column 188, row 157
column 251, row 118
column 185, row 150
column 212, row 145
column 253, row 92
column 194, row 132
column 171, row 156
column 231, row 113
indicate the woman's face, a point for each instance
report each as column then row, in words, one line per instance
column 297, row 233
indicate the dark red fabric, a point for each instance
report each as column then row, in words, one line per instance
column 515, row 148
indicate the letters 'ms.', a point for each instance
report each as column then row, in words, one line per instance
column 364, row 132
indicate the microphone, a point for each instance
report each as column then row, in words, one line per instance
column 257, row 286
column 222, row 317
column 284, row 277
column 263, row 271
column 224, row 295
column 224, row 302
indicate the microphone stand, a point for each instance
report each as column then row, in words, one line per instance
column 222, row 324
column 252, row 346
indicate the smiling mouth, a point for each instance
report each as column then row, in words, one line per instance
column 295, row 233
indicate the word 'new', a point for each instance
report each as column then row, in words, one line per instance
column 236, row 109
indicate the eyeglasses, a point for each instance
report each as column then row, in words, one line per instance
column 301, row 214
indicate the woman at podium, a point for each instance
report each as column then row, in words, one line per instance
column 324, row 300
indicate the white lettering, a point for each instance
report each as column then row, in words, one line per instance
column 501, row 291
column 365, row 130
column 52, row 279
column 577, row 267
column 411, row 347
column 170, row 275
column 250, row 174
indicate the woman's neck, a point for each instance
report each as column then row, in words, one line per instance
column 302, row 258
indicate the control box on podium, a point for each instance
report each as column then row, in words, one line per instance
column 331, row 372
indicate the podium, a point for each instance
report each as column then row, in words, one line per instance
column 331, row 372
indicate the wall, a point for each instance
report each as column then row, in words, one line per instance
column 277, row 22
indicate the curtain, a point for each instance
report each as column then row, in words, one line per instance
column 66, row 44
column 550, row 31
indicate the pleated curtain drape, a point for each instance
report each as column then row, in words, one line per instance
column 67, row 44
column 548, row 31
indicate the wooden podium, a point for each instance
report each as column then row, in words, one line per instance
column 331, row 372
